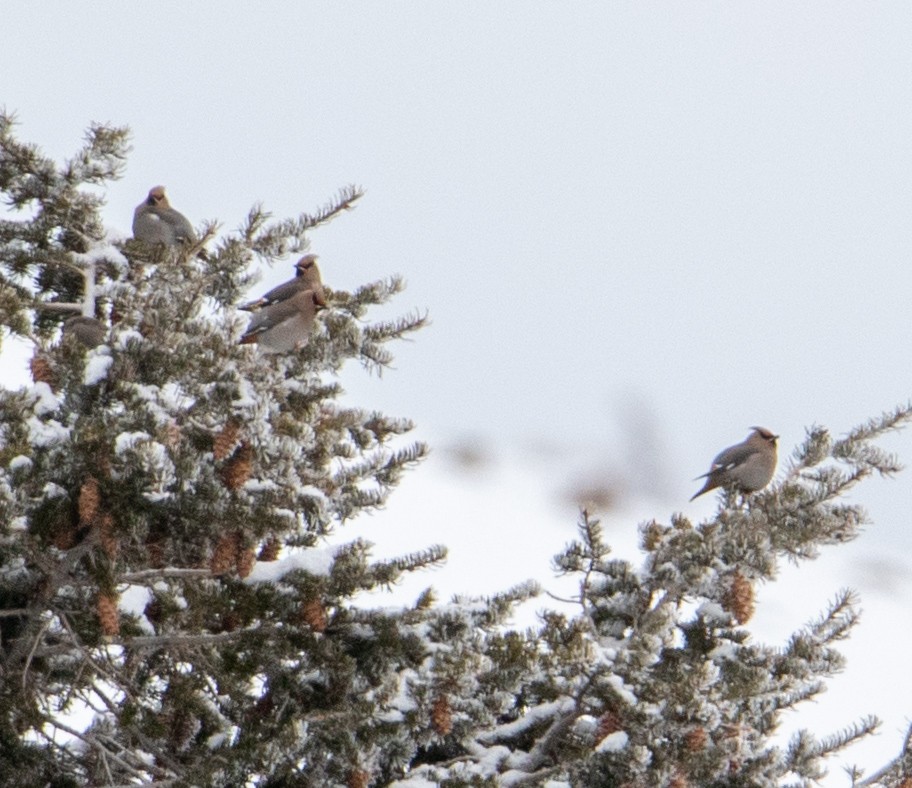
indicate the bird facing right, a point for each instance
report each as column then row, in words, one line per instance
column 747, row 466
column 307, row 277
column 284, row 325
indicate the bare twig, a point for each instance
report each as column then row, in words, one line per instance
column 157, row 641
column 157, row 574
column 92, row 741
column 58, row 306
column 31, row 654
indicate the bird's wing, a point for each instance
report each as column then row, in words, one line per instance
column 732, row 457
column 287, row 335
column 283, row 292
column 150, row 228
column 271, row 316
column 181, row 224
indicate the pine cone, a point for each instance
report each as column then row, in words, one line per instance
column 184, row 726
column 678, row 780
column 41, row 370
column 108, row 615
column 695, row 739
column 225, row 555
column 226, row 440
column 246, row 559
column 109, row 541
column 314, row 615
column 442, row 715
column 172, row 436
column 609, row 723
column 65, row 536
column 236, row 471
column 155, row 552
column 230, row 621
column 270, row 549
column 89, row 499
column 358, row 778
column 739, row 598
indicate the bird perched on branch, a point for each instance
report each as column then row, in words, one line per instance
column 156, row 222
column 747, row 466
column 87, row 330
column 283, row 325
column 307, row 277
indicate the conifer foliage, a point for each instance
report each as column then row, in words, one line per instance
column 655, row 680
column 156, row 624
column 171, row 614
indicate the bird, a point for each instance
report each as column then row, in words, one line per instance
column 87, row 330
column 747, row 466
column 284, row 325
column 156, row 222
column 307, row 277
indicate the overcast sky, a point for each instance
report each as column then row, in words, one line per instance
column 639, row 230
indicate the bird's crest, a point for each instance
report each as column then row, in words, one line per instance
column 766, row 434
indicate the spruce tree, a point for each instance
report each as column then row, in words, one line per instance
column 171, row 613
column 655, row 680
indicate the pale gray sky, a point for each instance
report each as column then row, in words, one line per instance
column 695, row 213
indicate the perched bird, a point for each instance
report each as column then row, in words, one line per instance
column 156, row 222
column 284, row 325
column 87, row 330
column 307, row 277
column 747, row 466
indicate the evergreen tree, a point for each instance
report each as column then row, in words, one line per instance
column 656, row 680
column 147, row 480
column 170, row 613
